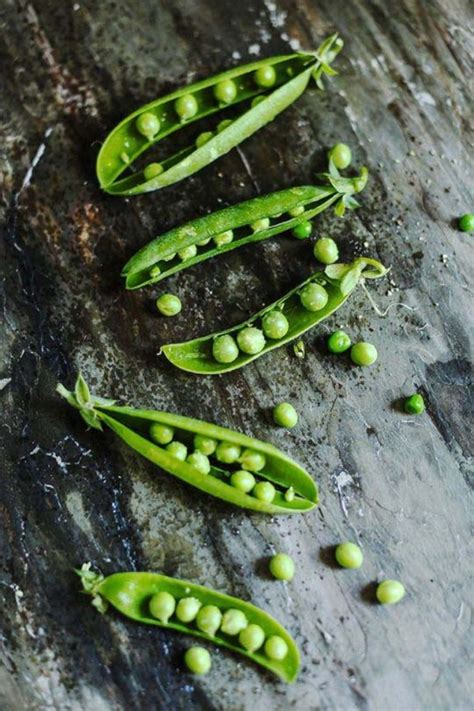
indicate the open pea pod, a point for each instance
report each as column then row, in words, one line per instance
column 296, row 311
column 279, row 81
column 267, row 481
column 250, row 221
column 137, row 596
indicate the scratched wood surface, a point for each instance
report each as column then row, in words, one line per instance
column 398, row 485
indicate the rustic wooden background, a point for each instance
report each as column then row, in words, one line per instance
column 397, row 484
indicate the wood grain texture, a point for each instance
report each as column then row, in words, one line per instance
column 398, row 485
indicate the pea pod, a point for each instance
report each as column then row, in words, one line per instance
column 338, row 281
column 289, row 76
column 283, row 210
column 271, row 472
column 133, row 595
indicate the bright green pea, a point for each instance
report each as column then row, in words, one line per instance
column 341, row 156
column 152, row 170
column 187, row 609
column 282, row 567
column 198, row 660
column 251, row 340
column 225, row 91
column 260, row 225
column 233, row 622
column 205, row 445
column 161, row 434
column 252, row 461
column 224, row 349
column 209, row 619
column 223, row 238
column 275, row 325
column 303, row 230
column 203, row 138
column 223, row 125
column 252, row 638
column 363, row 353
column 257, row 100
column 178, row 450
column 276, row 648
column 285, row 415
column 314, row 297
column 200, row 462
column 186, row 107
column 325, row 250
column 155, row 271
column 187, row 252
column 203, row 242
column 290, row 494
column 338, row 342
column 296, row 211
column 264, row 491
column 169, row 258
column 243, row 481
column 414, row 404
column 148, row 125
column 162, row 606
column 466, row 222
column 390, row 592
column 124, row 157
column 227, row 452
column 349, row 555
column 265, row 76
column 168, row 304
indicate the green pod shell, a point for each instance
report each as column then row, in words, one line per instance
column 130, row 594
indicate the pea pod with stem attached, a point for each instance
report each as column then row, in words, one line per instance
column 299, row 310
column 154, row 599
column 219, row 454
column 277, row 81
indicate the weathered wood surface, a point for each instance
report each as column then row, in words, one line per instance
column 397, row 484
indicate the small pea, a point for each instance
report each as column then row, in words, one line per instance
column 243, row 481
column 252, row 461
column 341, row 156
column 224, row 349
column 152, row 170
column 161, row 434
column 227, row 452
column 296, row 211
column 168, row 304
column 339, row 342
column 414, row 405
column 264, row 491
column 251, row 340
column 290, row 494
column 303, row 230
column 187, row 609
column 275, row 325
column 225, row 91
column 363, row 353
column 466, row 222
column 257, row 100
column 349, row 555
column 169, row 257
column 198, row 660
column 285, row 415
column 204, row 242
column 125, row 158
column 205, row 445
column 260, row 225
column 282, row 567
column 223, row 125
column 252, row 638
column 155, row 272
column 314, row 297
column 203, row 138
column 178, row 450
column 162, row 606
column 187, row 252
column 209, row 619
column 148, row 125
column 200, row 462
column 233, row 622
column 186, row 107
column 326, row 251
column 265, row 76
column 390, row 592
column 223, row 238
column 276, row 648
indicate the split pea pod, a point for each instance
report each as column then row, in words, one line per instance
column 179, row 605
column 231, row 466
column 263, row 88
column 293, row 314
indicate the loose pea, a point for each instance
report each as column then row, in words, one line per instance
column 252, row 461
column 276, row 648
column 466, row 222
column 233, row 622
column 349, row 555
column 264, row 491
column 275, row 325
column 198, row 660
column 209, row 619
column 161, row 434
column 251, row 340
column 186, row 107
column 326, row 251
column 205, row 445
column 363, row 353
column 200, row 462
column 162, row 606
column 303, row 230
column 314, row 297
column 152, row 170
column 341, row 156
column 203, row 138
column 289, row 494
column 243, row 481
column 187, row 609
column 168, row 304
column 414, row 404
column 155, row 271
column 282, row 567
column 224, row 349
column 285, row 415
column 257, row 100
column 227, row 453
column 265, row 76
column 338, row 342
column 252, row 638
column 148, row 125
column 223, row 125
column 260, row 225
column 178, row 450
column 296, row 211
column 389, row 592
column 225, row 91
column 187, row 252
column 223, row 238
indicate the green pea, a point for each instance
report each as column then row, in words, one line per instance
column 178, row 450
column 203, row 138
column 252, row 461
column 290, row 494
column 282, row 567
column 148, row 125
column 203, row 242
column 303, row 230
column 265, row 76
column 223, row 238
column 187, row 609
column 186, row 107
column 152, row 170
column 224, row 349
column 251, row 340
column 187, row 252
column 225, row 91
column 339, row 342
column 363, row 353
column 168, row 304
column 209, row 619
column 285, row 415
column 349, row 555
column 414, row 404
column 260, row 225
column 162, row 606
column 252, row 638
column 169, row 258
column 227, row 452
column 275, row 325
column 325, row 250
column 341, row 156
column 466, row 222
column 314, row 297
column 296, row 211
column 125, row 158
column 200, row 462
column 155, row 272
column 223, row 125
column 198, row 660
column 276, row 648
column 161, row 434
column 243, row 481
column 233, row 622
column 264, row 491
column 205, row 445
column 257, row 100
column 390, row 592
